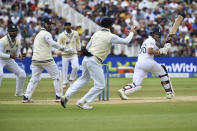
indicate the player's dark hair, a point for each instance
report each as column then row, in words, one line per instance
column 67, row 23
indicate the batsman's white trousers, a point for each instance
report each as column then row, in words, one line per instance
column 74, row 65
column 53, row 71
column 12, row 66
column 143, row 67
column 91, row 69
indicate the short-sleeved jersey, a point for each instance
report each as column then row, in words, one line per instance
column 148, row 43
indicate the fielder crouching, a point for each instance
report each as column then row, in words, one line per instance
column 96, row 52
column 42, row 60
column 146, row 63
column 9, row 50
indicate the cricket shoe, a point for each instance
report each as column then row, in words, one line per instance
column 63, row 101
column 169, row 95
column 58, row 99
column 122, row 94
column 84, row 106
column 27, row 100
column 19, row 94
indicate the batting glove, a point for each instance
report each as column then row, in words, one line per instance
column 167, row 45
column 163, row 51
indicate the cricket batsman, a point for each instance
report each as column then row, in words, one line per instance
column 146, row 63
column 95, row 53
column 10, row 50
column 42, row 60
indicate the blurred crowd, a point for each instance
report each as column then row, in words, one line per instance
column 144, row 14
column 27, row 15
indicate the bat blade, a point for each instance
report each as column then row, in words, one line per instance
column 176, row 24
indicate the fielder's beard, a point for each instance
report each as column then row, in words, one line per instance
column 68, row 30
column 12, row 36
column 48, row 27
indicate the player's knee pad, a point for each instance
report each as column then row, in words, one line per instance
column 131, row 88
column 165, row 80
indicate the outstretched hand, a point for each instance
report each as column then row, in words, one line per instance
column 133, row 29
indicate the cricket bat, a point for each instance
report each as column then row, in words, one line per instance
column 175, row 27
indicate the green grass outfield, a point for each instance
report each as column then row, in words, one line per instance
column 145, row 116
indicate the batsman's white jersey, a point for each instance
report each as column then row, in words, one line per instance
column 7, row 47
column 148, row 43
column 70, row 40
column 99, row 46
column 146, row 62
column 42, row 60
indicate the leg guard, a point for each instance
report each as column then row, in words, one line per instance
column 166, row 82
column 131, row 88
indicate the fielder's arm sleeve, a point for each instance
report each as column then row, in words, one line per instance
column 50, row 41
column 117, row 40
column 3, row 55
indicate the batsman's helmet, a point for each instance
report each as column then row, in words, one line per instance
column 106, row 22
column 156, row 30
